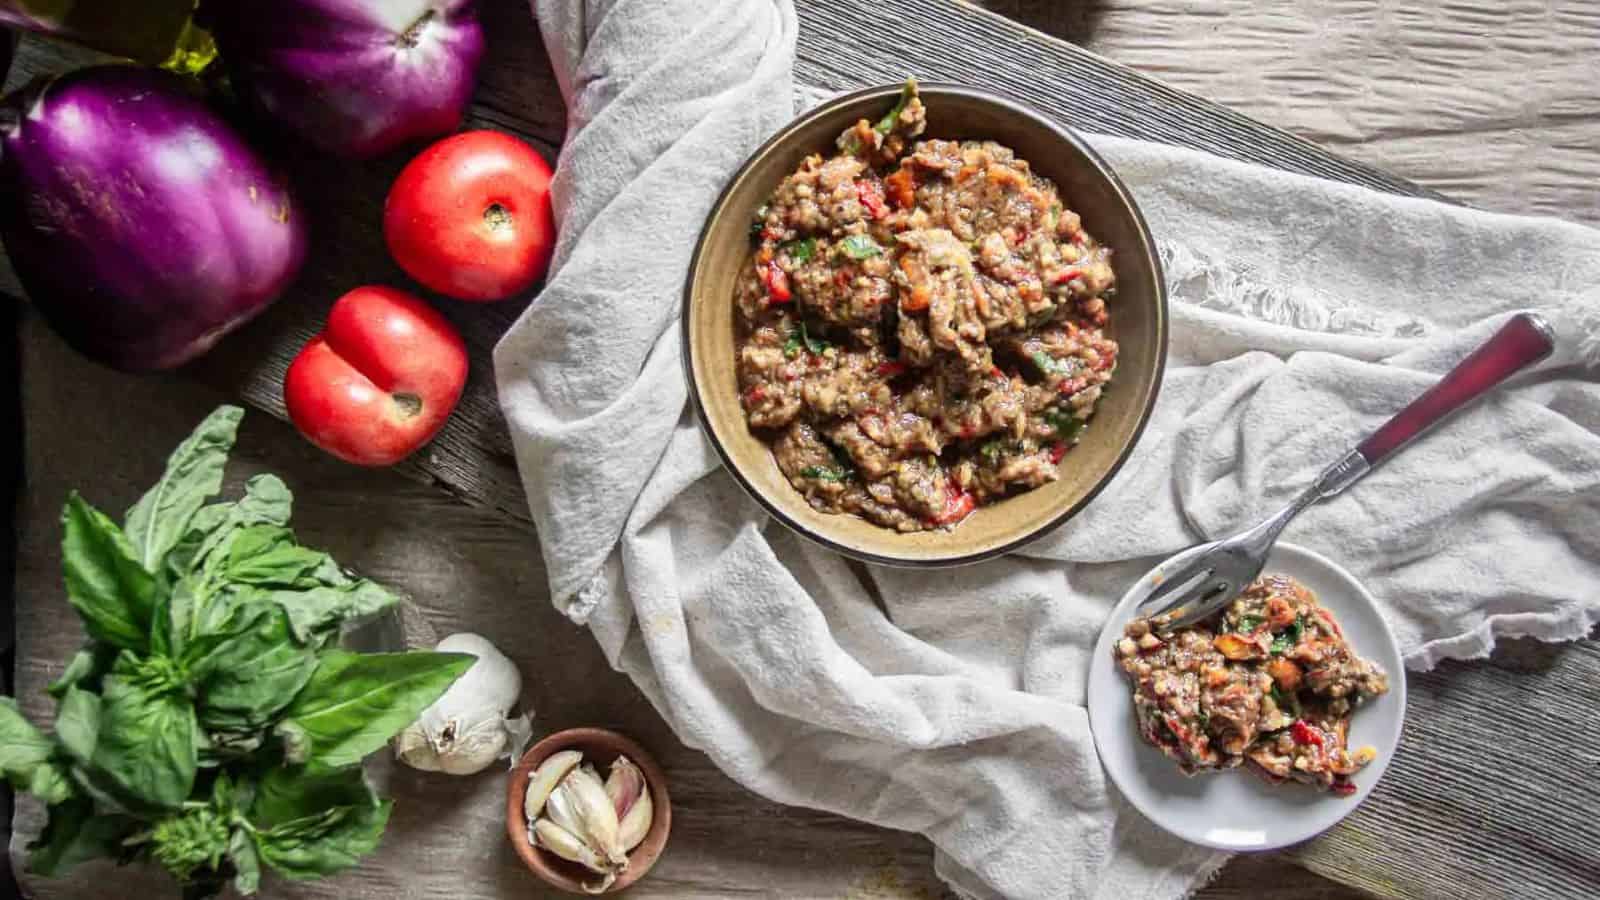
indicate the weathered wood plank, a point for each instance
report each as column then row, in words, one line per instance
column 1492, row 103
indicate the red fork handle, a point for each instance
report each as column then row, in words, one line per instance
column 1523, row 340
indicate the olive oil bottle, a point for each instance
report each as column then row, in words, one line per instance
column 155, row 32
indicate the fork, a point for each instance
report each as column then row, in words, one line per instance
column 1214, row 573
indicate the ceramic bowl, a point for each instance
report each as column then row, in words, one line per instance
column 1139, row 324
column 600, row 748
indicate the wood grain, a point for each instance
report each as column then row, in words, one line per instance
column 1492, row 103
column 1448, row 820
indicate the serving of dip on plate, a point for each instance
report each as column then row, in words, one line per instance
column 1233, row 810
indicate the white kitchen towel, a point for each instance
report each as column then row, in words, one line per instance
column 1304, row 313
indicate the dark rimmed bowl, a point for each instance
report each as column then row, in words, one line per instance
column 1139, row 324
column 600, row 747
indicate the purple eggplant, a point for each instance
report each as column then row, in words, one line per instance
column 141, row 226
column 355, row 78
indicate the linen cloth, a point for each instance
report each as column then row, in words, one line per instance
column 1304, row 313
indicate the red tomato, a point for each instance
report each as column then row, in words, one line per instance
column 380, row 379
column 470, row 216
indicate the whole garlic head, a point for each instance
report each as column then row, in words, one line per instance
column 466, row 729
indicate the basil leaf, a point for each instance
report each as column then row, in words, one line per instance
column 991, row 451
column 289, row 793
column 886, row 124
column 246, row 862
column 860, row 246
column 814, row 345
column 1049, row 365
column 85, row 669
column 1249, row 622
column 322, row 610
column 268, row 555
column 27, row 757
column 322, row 844
column 106, row 584
column 824, row 473
column 146, row 743
column 791, row 347
column 193, row 474
column 252, row 675
column 266, row 501
column 76, row 833
column 801, row 251
column 1065, row 426
column 354, row 703
column 78, row 724
column 1286, row 641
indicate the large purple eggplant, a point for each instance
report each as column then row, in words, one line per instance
column 141, row 226
column 353, row 77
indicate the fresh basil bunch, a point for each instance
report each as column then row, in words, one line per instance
column 211, row 723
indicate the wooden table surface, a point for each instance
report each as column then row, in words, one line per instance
column 1422, row 89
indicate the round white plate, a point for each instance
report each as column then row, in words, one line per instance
column 1236, row 809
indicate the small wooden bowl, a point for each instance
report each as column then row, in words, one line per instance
column 599, row 748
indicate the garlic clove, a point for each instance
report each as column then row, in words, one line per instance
column 560, row 810
column 565, row 844
column 594, row 810
column 544, row 780
column 624, row 785
column 636, row 824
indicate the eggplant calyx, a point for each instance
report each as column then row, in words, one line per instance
column 410, row 405
column 412, row 36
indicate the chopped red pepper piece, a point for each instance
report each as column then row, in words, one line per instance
column 1304, row 734
column 1058, row 450
column 756, row 394
column 1343, row 788
column 958, row 504
column 995, row 371
column 776, row 281
column 1067, row 274
column 892, row 369
column 870, row 193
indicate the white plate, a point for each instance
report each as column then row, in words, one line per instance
column 1236, row 809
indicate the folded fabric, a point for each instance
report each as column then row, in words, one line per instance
column 1304, row 313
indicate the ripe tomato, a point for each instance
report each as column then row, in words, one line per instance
column 380, row 379
column 470, row 216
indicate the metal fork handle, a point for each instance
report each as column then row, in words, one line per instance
column 1525, row 339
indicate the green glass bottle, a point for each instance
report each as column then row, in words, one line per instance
column 155, row 32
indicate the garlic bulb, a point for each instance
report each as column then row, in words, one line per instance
column 467, row 729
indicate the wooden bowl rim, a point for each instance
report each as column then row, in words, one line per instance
column 554, row 871
column 1147, row 253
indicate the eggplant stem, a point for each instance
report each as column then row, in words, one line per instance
column 413, row 33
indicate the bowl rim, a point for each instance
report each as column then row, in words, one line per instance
column 1066, row 135
column 533, row 857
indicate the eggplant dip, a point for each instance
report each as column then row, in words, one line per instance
column 921, row 325
column 1269, row 681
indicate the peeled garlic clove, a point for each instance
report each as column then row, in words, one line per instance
column 565, row 844
column 594, row 810
column 624, row 785
column 545, row 778
column 606, row 881
column 636, row 824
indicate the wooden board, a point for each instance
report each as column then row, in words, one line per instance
column 1490, row 102
column 1426, row 832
